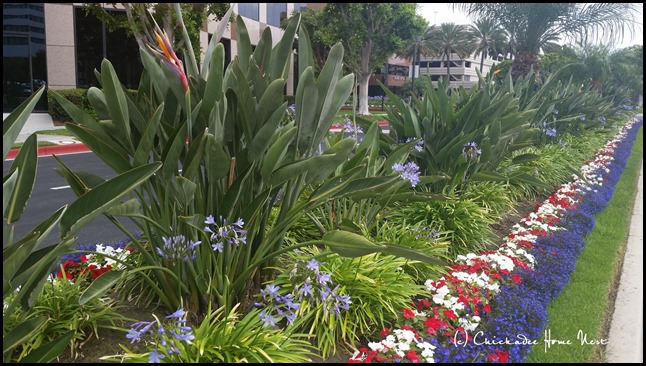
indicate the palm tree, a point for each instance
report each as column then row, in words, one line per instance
column 451, row 38
column 420, row 45
column 489, row 38
column 538, row 25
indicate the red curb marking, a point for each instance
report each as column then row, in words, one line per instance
column 50, row 150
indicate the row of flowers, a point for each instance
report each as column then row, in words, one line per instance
column 492, row 307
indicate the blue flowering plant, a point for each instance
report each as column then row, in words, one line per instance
column 221, row 337
column 455, row 139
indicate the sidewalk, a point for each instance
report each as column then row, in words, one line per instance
column 626, row 336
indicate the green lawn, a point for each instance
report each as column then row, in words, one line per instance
column 585, row 305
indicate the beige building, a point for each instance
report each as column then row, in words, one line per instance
column 59, row 45
column 463, row 70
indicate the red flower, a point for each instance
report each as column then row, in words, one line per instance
column 384, row 332
column 450, row 314
column 499, row 356
column 408, row 314
column 516, row 278
column 486, row 308
column 84, row 258
column 423, row 303
column 411, row 355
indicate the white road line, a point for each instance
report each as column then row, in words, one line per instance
column 61, row 187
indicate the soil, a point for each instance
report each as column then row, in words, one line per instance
column 108, row 342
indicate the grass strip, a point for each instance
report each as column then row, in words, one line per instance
column 584, row 308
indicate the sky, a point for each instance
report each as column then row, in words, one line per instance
column 436, row 13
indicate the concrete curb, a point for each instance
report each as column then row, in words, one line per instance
column 51, row 150
column 626, row 336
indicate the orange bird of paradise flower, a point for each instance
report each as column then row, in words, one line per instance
column 168, row 57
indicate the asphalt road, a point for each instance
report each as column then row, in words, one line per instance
column 51, row 192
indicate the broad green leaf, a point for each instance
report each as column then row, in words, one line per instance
column 13, row 124
column 173, row 150
column 339, row 96
column 281, row 54
column 266, row 133
column 116, row 102
column 524, row 158
column 14, row 256
column 25, row 163
column 366, row 187
column 77, row 185
column 217, row 161
column 408, row 253
column 8, row 187
column 488, row 177
column 193, row 160
column 131, row 207
column 113, row 155
column 185, row 191
column 81, row 117
column 22, row 332
column 305, row 57
column 100, row 286
column 215, row 42
column 143, row 152
column 306, row 99
column 262, row 53
column 97, row 99
column 213, row 90
column 276, row 153
column 49, row 351
column 271, row 100
column 102, row 197
column 243, row 43
column 526, row 178
column 349, row 244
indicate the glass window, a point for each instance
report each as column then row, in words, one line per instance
column 24, row 66
column 276, row 13
column 248, row 10
column 94, row 43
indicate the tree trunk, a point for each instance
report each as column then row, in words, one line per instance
column 448, row 69
column 523, row 63
column 481, row 67
column 364, row 80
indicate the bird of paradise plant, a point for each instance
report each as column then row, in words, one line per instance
column 206, row 212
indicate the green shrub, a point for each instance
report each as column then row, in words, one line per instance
column 77, row 96
column 493, row 196
column 59, row 303
column 420, row 237
column 377, row 286
column 466, row 222
column 220, row 338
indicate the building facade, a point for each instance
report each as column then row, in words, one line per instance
column 59, row 45
column 463, row 70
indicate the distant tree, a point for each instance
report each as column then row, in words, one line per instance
column 537, row 26
column 489, row 39
column 371, row 33
column 137, row 20
column 451, row 38
column 627, row 70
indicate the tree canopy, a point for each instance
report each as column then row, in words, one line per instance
column 371, row 33
column 536, row 27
